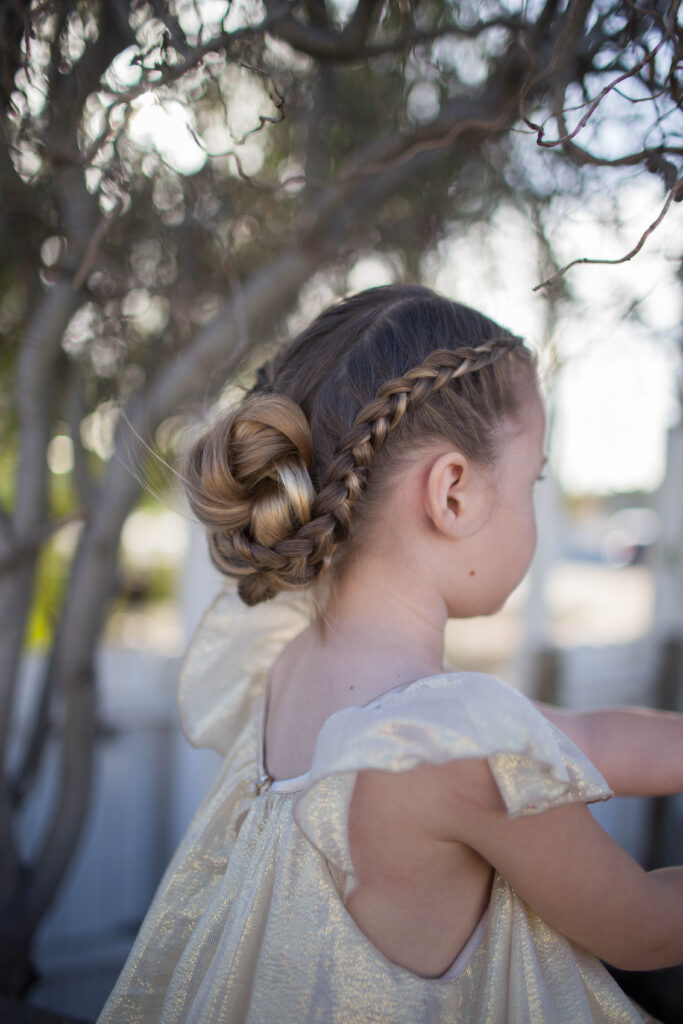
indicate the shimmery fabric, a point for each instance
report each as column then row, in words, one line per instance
column 248, row 923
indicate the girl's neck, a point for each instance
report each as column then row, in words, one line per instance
column 382, row 627
column 388, row 614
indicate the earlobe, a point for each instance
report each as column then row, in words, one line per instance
column 443, row 493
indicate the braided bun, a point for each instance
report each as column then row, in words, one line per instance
column 248, row 482
column 287, row 477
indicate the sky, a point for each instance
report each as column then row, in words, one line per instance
column 614, row 392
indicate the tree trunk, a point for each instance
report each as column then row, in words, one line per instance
column 69, row 679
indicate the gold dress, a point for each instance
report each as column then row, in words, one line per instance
column 248, row 924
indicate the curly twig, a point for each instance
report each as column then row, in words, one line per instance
column 675, row 195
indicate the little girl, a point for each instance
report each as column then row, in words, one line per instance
column 390, row 841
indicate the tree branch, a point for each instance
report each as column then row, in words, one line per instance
column 92, row 248
column 32, row 543
column 566, row 136
column 351, row 43
column 675, row 195
column 324, row 42
column 86, row 487
column 433, row 141
column 199, row 372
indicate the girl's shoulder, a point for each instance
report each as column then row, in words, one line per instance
column 459, row 726
column 459, row 716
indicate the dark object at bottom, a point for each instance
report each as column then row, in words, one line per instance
column 658, row 992
column 13, row 1011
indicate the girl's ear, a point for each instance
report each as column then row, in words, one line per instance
column 446, row 498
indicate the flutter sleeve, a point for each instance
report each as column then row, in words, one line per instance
column 443, row 718
column 223, row 669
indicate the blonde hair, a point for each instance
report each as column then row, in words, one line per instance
column 286, row 481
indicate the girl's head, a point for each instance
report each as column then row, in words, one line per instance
column 295, row 478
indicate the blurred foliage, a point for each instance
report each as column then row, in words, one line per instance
column 51, row 579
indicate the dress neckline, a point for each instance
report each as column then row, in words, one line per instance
column 266, row 782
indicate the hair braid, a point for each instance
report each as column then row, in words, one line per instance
column 345, row 477
column 298, row 559
column 280, row 478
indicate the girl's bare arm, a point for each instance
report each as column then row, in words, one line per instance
column 570, row 871
column 638, row 751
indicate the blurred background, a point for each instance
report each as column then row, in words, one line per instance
column 183, row 184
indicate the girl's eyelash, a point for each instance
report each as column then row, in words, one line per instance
column 541, row 476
